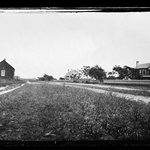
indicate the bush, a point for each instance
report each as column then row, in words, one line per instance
column 4, row 82
column 61, row 78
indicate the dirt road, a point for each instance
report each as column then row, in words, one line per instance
column 127, row 96
column 10, row 90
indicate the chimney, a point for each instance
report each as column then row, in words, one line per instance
column 137, row 63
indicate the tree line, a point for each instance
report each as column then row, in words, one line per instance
column 98, row 73
column 125, row 72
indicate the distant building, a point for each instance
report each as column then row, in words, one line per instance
column 6, row 70
column 72, row 74
column 144, row 69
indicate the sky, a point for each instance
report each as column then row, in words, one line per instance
column 52, row 42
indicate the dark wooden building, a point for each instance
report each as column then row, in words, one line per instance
column 6, row 70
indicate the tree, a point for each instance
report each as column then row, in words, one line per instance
column 132, row 73
column 41, row 78
column 47, row 77
column 126, row 72
column 111, row 75
column 97, row 72
column 61, row 78
column 122, row 72
column 85, row 70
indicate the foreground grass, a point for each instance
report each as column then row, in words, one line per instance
column 52, row 112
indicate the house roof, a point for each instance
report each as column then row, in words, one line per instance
column 145, row 65
column 4, row 62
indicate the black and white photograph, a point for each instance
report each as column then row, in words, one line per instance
column 74, row 75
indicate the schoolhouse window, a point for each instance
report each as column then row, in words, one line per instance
column 2, row 73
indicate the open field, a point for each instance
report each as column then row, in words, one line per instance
column 48, row 112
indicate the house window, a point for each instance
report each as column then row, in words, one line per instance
column 144, row 72
column 140, row 71
column 2, row 73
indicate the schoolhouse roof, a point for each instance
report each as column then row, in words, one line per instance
column 4, row 62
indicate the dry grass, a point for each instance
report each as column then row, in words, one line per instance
column 52, row 112
column 4, row 82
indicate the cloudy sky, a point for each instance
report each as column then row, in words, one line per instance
column 52, row 43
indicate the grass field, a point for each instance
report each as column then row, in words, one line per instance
column 46, row 112
column 4, row 82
